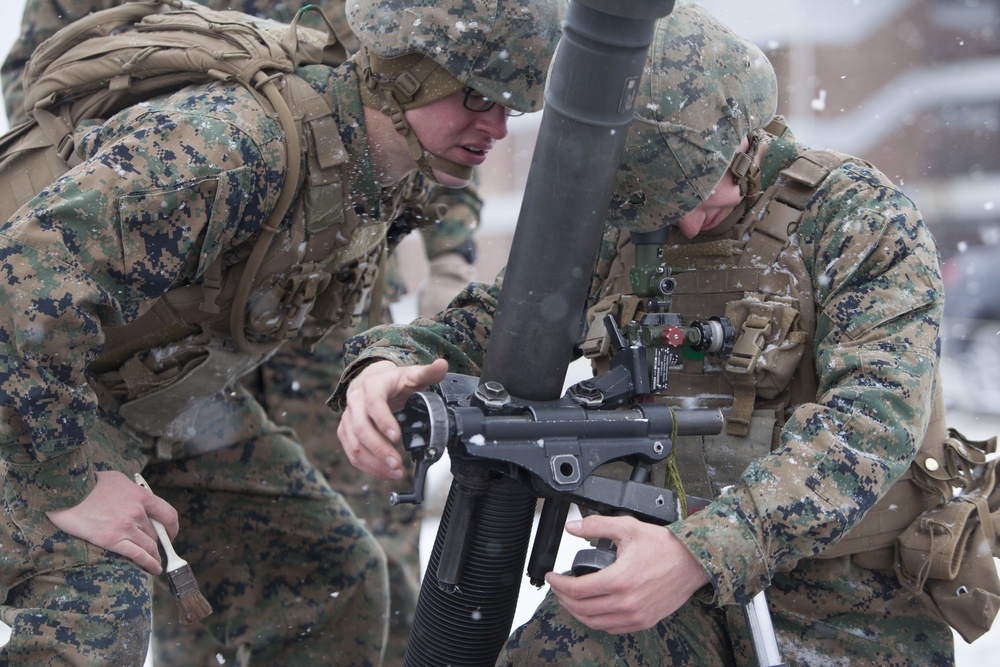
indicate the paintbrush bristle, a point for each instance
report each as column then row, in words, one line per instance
column 191, row 604
column 192, row 608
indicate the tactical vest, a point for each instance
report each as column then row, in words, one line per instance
column 313, row 261
column 758, row 280
column 938, row 543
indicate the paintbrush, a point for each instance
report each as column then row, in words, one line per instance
column 191, row 604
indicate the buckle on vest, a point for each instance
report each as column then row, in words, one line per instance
column 301, row 290
column 278, row 313
column 356, row 282
column 749, row 345
column 744, row 167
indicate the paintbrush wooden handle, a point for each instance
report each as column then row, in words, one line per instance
column 174, row 561
column 191, row 604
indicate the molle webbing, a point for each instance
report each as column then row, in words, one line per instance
column 771, row 221
column 783, row 204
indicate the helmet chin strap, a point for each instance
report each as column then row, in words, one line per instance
column 456, row 169
column 746, row 174
column 393, row 95
column 427, row 161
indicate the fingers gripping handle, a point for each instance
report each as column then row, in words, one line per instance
column 174, row 561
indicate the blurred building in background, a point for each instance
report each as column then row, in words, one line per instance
column 913, row 86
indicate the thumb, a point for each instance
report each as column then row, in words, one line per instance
column 420, row 377
column 596, row 526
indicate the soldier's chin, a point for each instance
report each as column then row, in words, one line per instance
column 448, row 180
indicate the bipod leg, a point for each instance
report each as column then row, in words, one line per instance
column 765, row 643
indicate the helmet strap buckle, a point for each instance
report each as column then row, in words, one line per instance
column 744, row 167
column 405, row 87
column 397, row 89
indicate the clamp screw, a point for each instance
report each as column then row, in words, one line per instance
column 492, row 394
column 587, row 393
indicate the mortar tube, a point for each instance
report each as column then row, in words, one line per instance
column 589, row 103
column 588, row 107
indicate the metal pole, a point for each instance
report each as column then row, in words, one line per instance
column 765, row 643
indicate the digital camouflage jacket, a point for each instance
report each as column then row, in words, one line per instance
column 876, row 285
column 166, row 188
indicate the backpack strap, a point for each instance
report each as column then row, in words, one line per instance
column 332, row 51
column 289, row 189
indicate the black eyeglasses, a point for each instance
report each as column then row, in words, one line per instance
column 476, row 101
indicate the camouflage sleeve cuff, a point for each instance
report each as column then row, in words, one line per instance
column 729, row 551
column 58, row 483
column 396, row 356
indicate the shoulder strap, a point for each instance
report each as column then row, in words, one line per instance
column 779, row 210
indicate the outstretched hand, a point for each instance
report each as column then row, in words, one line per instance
column 368, row 428
column 652, row 576
column 115, row 516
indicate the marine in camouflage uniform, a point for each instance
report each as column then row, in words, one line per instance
column 289, row 383
column 294, row 577
column 842, row 392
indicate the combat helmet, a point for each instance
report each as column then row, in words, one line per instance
column 704, row 90
column 417, row 51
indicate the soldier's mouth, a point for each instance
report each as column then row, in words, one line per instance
column 475, row 155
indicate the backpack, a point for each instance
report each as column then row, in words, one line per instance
column 115, row 58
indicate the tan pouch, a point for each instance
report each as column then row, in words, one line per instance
column 932, row 547
column 969, row 602
column 768, row 349
column 162, row 392
column 946, row 556
column 769, row 345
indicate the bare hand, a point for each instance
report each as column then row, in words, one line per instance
column 652, row 576
column 115, row 516
column 368, row 429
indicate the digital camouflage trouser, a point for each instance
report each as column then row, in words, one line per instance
column 293, row 386
column 826, row 614
column 296, row 384
column 293, row 576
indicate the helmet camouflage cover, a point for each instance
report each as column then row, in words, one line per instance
column 502, row 48
column 704, row 89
